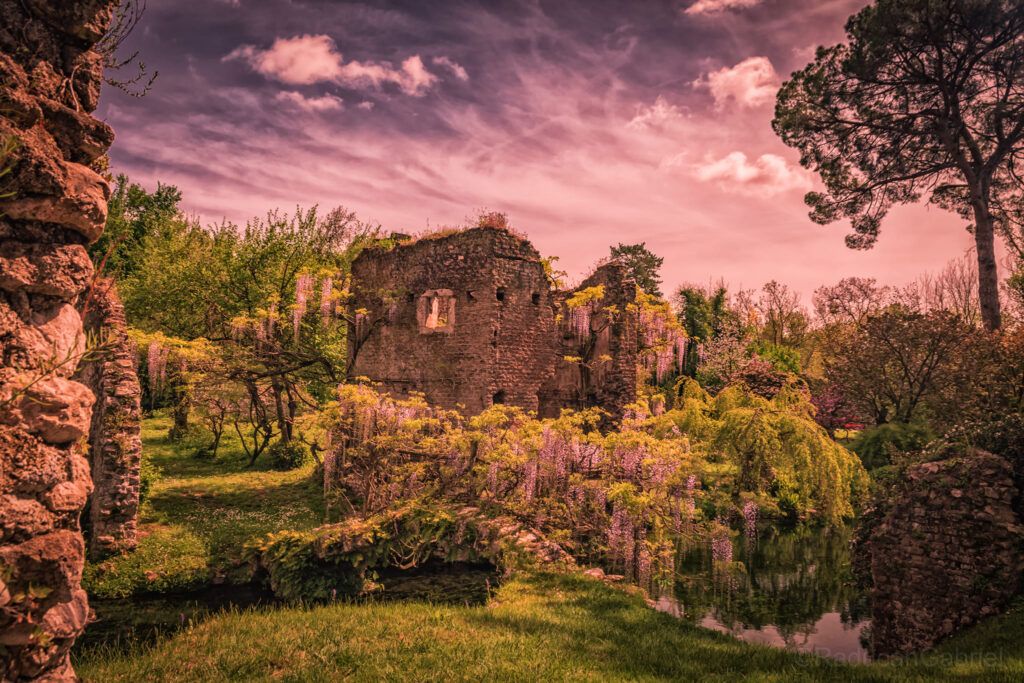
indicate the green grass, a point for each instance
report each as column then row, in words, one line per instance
column 199, row 516
column 537, row 628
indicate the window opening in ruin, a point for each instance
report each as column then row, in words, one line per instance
column 499, row 398
column 436, row 311
column 470, row 297
column 500, row 294
column 536, row 298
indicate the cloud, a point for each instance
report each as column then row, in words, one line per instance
column 365, row 104
column 452, row 66
column 308, row 59
column 751, row 83
column 768, row 176
column 655, row 115
column 323, row 103
column 718, row 6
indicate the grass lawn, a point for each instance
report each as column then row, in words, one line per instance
column 200, row 514
column 536, row 628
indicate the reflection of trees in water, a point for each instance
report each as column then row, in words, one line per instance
column 788, row 580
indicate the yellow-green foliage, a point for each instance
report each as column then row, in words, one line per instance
column 623, row 498
column 775, row 448
column 585, row 296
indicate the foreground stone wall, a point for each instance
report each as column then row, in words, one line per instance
column 53, row 204
column 466, row 319
column 944, row 550
column 115, row 444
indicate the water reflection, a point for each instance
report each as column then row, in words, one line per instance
column 792, row 590
column 125, row 623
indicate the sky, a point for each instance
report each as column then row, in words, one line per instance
column 588, row 122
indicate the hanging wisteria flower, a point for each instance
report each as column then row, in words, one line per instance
column 156, row 365
column 303, row 288
column 681, row 344
column 580, row 320
column 360, row 321
column 326, row 300
column 721, row 548
column 621, row 536
column 750, row 519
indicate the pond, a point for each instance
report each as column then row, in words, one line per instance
column 792, row 590
column 123, row 623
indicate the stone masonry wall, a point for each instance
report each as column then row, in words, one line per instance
column 469, row 319
column 115, row 445
column 486, row 339
column 52, row 203
column 944, row 550
column 609, row 384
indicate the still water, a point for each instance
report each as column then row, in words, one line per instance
column 123, row 623
column 792, row 590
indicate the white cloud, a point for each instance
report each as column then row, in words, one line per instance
column 717, row 6
column 655, row 115
column 769, row 175
column 308, row 59
column 452, row 66
column 365, row 104
column 323, row 103
column 751, row 83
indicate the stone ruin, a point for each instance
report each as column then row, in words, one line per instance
column 471, row 320
column 115, row 444
column 941, row 551
column 52, row 204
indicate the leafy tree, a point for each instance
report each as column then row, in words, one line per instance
column 132, row 214
column 784, row 321
column 925, row 98
column 267, row 295
column 850, row 301
column 898, row 359
column 704, row 314
column 643, row 264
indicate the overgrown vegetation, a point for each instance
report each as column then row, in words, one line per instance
column 198, row 515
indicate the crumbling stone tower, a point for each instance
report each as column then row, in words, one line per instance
column 470, row 319
column 53, row 204
column 606, row 373
column 466, row 318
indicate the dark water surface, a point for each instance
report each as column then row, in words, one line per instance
column 790, row 590
column 123, row 623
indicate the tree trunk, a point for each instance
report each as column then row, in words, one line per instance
column 988, row 275
column 283, row 424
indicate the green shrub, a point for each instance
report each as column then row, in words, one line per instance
column 193, row 440
column 288, row 455
column 876, row 446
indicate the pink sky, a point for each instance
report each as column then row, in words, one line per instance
column 588, row 123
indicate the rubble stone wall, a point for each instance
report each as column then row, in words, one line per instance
column 466, row 319
column 606, row 375
column 115, row 445
column 944, row 549
column 470, row 319
column 52, row 204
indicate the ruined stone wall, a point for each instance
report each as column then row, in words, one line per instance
column 610, row 384
column 466, row 319
column 53, row 205
column 115, row 445
column 943, row 550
